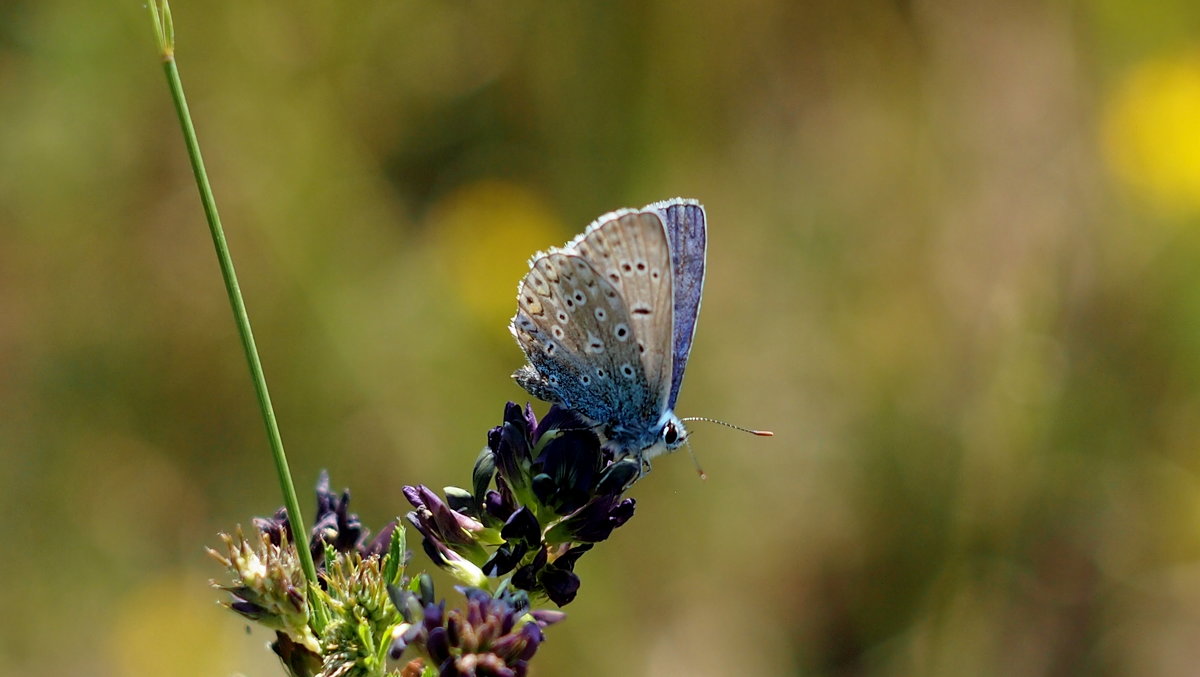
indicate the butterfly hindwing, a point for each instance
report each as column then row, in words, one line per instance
column 576, row 331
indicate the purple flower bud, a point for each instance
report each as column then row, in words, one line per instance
column 504, row 559
column 533, row 636
column 434, row 613
column 561, row 585
column 622, row 513
column 491, row 637
column 618, row 476
column 522, row 527
column 437, row 645
column 525, row 578
column 559, row 418
column 334, row 526
column 545, row 617
column 499, row 504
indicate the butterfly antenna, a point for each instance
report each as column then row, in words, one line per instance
column 695, row 461
column 760, row 433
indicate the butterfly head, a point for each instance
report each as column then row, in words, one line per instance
column 672, row 434
column 646, row 441
column 668, row 435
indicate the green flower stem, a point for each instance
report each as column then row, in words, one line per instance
column 165, row 33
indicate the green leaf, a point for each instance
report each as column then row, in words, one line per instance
column 481, row 476
column 393, row 566
column 460, row 500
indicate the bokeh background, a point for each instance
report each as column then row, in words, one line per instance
column 954, row 264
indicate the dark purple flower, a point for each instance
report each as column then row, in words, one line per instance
column 539, row 490
column 567, row 470
column 526, row 578
column 493, row 635
column 555, row 579
column 593, row 522
column 449, row 536
column 434, row 519
column 511, row 444
column 499, row 503
column 522, row 527
column 335, row 526
column 506, row 557
column 560, row 585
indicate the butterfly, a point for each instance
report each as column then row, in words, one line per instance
column 606, row 323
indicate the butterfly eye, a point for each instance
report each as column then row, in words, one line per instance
column 670, row 434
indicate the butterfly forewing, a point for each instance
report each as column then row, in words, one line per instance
column 686, row 229
column 630, row 250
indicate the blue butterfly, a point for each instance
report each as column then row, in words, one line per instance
column 606, row 323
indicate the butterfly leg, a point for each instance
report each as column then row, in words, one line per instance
column 643, row 466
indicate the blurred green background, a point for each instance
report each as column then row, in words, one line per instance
column 954, row 264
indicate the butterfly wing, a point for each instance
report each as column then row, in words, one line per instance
column 631, row 251
column 578, row 335
column 686, row 229
column 595, row 322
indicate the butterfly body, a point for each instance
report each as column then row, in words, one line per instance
column 606, row 323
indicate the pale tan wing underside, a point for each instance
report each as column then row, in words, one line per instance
column 632, row 253
column 577, row 333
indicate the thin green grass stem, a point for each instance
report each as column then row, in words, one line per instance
column 164, row 32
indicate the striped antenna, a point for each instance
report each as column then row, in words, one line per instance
column 760, row 433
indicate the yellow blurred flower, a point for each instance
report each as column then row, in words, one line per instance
column 1151, row 131
column 485, row 233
